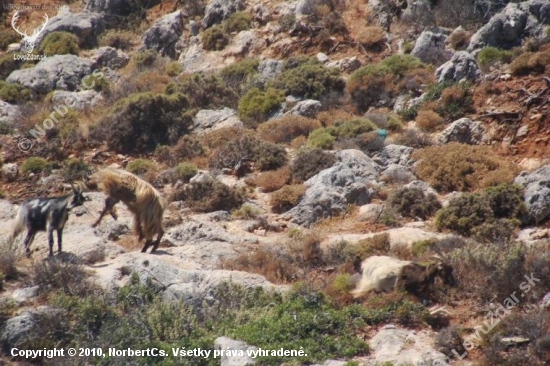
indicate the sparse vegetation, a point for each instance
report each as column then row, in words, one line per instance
column 470, row 214
column 414, row 203
column 460, row 167
column 287, row 197
column 140, row 166
column 116, row 38
column 186, row 171
column 306, row 77
column 59, row 43
column 530, row 62
column 13, row 93
column 209, row 196
column 310, row 162
column 255, row 105
column 489, row 56
column 272, row 180
column 142, row 121
column 287, row 128
column 34, row 165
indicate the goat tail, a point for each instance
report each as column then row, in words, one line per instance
column 151, row 218
column 18, row 224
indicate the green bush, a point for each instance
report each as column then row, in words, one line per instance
column 352, row 128
column 246, row 212
column 116, row 38
column 34, row 165
column 173, row 68
column 186, row 171
column 235, row 75
column 388, row 77
column 209, row 196
column 7, row 37
column 140, row 166
column 237, row 22
column 142, row 121
column 489, row 56
column 13, row 93
column 471, row 213
column 310, row 162
column 321, row 138
column 142, row 60
column 8, row 64
column 414, row 203
column 75, row 169
column 204, row 91
column 215, row 38
column 255, row 105
column 308, row 78
column 59, row 43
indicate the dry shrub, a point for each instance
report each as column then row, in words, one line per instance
column 150, row 80
column 8, row 260
column 287, row 128
column 461, row 167
column 274, row 266
column 332, row 116
column 209, row 196
column 371, row 37
column 272, row 180
column 287, row 197
column 413, row 202
column 428, row 121
column 299, row 142
column 66, row 275
column 530, row 62
column 459, row 39
column 310, row 162
column 414, row 138
column 218, row 138
column 311, row 252
column 187, row 148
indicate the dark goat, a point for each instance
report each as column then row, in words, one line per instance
column 45, row 214
column 419, row 279
column 384, row 274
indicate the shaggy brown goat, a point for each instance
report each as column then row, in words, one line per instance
column 141, row 198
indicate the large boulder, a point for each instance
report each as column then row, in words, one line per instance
column 17, row 330
column 207, row 119
column 394, row 154
column 164, row 34
column 110, row 57
column 332, row 189
column 308, row 7
column 514, row 23
column 63, row 72
column 9, row 114
column 270, row 69
column 463, row 130
column 224, row 343
column 116, row 7
column 430, row 48
column 306, row 108
column 405, row 347
column 196, row 59
column 218, row 10
column 77, row 100
column 86, row 26
column 462, row 65
column 537, row 192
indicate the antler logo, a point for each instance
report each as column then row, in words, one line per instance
column 27, row 44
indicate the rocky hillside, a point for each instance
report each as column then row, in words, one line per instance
column 291, row 140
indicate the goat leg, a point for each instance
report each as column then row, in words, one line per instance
column 28, row 240
column 109, row 204
column 157, row 242
column 59, row 235
column 50, row 240
column 147, row 243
